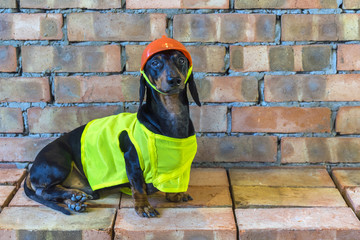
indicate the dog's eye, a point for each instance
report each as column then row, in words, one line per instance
column 181, row 61
column 155, row 63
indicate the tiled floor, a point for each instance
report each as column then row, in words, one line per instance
column 257, row 203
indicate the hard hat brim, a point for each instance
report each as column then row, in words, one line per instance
column 163, row 44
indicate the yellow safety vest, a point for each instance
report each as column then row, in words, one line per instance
column 165, row 161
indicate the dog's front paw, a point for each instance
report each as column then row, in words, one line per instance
column 77, row 206
column 178, row 197
column 146, row 211
column 79, row 197
column 76, row 202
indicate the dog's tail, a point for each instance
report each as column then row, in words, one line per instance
column 32, row 195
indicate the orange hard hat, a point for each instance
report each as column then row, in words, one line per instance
column 163, row 44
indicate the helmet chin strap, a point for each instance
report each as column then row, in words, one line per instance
column 154, row 87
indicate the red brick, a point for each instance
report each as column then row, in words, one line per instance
column 71, row 58
column 280, row 58
column 65, row 119
column 21, row 149
column 297, row 223
column 281, row 119
column 8, row 166
column 320, row 150
column 115, row 26
column 208, row 58
column 24, row 90
column 11, row 120
column 186, row 4
column 6, row 194
column 314, row 58
column 177, row 223
column 237, row 149
column 8, row 4
column 215, row 4
column 8, row 59
column 305, row 177
column 348, row 57
column 11, row 176
column 347, row 120
column 320, row 27
column 131, row 108
column 115, row 88
column 228, row 89
column 89, row 4
column 148, row 4
column 96, row 223
column 308, row 88
column 133, row 57
column 205, row 58
column 288, row 4
column 209, row 118
column 40, row 26
column 351, row 4
column 228, row 28
column 348, row 27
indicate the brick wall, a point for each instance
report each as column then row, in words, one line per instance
column 279, row 80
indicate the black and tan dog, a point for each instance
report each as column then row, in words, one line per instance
column 148, row 151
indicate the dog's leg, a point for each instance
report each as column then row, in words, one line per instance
column 50, row 169
column 77, row 180
column 73, row 198
column 136, row 178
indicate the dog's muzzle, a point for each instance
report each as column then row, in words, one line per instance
column 175, row 81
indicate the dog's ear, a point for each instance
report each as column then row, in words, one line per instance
column 193, row 90
column 142, row 89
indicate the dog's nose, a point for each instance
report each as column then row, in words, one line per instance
column 173, row 82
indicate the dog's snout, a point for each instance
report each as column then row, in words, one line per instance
column 174, row 82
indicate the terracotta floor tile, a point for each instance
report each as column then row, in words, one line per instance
column 281, row 177
column 346, row 178
column 108, row 199
column 11, row 176
column 6, row 194
column 352, row 196
column 42, row 222
column 21, row 200
column 203, row 197
column 177, row 223
column 258, row 197
column 298, row 223
column 208, row 177
column 266, row 199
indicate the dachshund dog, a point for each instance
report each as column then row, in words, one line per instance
column 60, row 177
